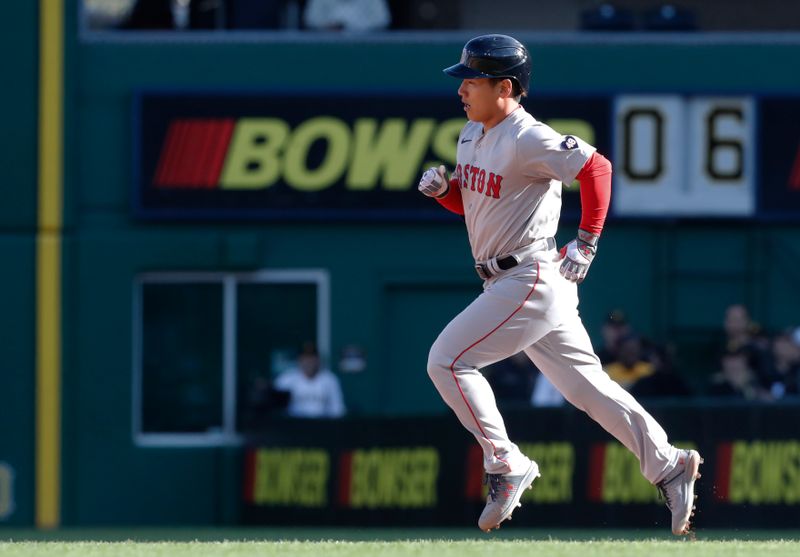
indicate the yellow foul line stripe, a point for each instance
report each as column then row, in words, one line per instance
column 48, row 265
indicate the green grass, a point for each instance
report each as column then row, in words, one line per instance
column 307, row 542
column 409, row 548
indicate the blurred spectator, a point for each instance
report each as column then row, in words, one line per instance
column 260, row 403
column 512, row 379
column 150, row 14
column 664, row 382
column 105, row 14
column 346, row 15
column 516, row 379
column 738, row 327
column 784, row 373
column 743, row 334
column 669, row 17
column 175, row 14
column 736, row 379
column 544, row 393
column 607, row 17
column 426, row 14
column 630, row 365
column 615, row 327
column 314, row 392
column 263, row 14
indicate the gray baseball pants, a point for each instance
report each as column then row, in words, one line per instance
column 533, row 308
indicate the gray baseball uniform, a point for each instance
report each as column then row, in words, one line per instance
column 510, row 181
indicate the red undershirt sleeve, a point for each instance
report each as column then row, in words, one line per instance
column 452, row 201
column 595, row 181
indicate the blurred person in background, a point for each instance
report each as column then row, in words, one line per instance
column 784, row 372
column 545, row 393
column 346, row 15
column 664, row 382
column 743, row 334
column 614, row 328
column 512, row 379
column 314, row 392
column 516, row 379
column 631, row 364
column 174, row 15
column 150, row 14
column 736, row 379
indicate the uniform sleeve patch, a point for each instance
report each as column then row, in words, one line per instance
column 569, row 143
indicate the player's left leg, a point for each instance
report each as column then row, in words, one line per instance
column 565, row 356
column 509, row 315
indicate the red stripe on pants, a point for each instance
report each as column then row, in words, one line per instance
column 474, row 344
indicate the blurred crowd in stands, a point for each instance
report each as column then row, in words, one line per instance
column 322, row 15
column 751, row 364
column 377, row 15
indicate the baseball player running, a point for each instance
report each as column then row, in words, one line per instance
column 507, row 185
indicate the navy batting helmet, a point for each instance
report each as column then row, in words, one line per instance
column 494, row 56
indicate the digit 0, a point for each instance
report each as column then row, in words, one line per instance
column 642, row 117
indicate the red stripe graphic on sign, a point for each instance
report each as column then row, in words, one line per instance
column 180, row 165
column 345, row 478
column 196, row 160
column 597, row 465
column 473, row 489
column 794, row 178
column 219, row 149
column 193, row 153
column 722, row 480
column 173, row 153
column 207, row 178
column 185, row 160
column 249, row 483
column 163, row 169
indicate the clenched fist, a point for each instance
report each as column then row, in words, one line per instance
column 578, row 255
column 434, row 182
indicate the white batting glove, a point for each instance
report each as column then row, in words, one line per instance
column 434, row 182
column 578, row 255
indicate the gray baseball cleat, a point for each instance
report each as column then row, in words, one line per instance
column 505, row 491
column 678, row 491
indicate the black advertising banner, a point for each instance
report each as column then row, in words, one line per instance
column 428, row 471
column 272, row 156
column 779, row 164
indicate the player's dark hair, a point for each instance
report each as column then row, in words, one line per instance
column 516, row 90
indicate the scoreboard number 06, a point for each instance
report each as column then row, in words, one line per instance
column 677, row 155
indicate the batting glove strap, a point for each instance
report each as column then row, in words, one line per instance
column 434, row 182
column 578, row 256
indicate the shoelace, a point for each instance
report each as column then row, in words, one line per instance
column 493, row 481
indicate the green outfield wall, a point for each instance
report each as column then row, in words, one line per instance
column 18, row 218
column 393, row 283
